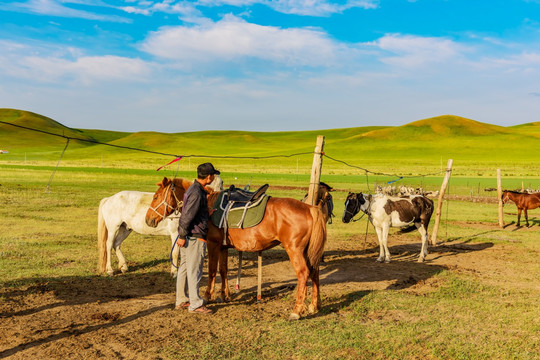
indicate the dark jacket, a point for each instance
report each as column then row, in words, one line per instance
column 194, row 218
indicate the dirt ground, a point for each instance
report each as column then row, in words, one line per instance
column 131, row 315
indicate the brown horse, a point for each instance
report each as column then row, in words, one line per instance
column 523, row 202
column 298, row 227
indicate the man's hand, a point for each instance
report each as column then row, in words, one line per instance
column 211, row 211
column 180, row 242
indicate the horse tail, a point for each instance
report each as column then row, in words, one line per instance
column 318, row 238
column 102, row 238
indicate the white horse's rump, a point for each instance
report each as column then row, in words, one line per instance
column 385, row 212
column 121, row 214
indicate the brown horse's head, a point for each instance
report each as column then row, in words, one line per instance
column 325, row 201
column 167, row 199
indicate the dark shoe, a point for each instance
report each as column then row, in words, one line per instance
column 202, row 310
column 183, row 305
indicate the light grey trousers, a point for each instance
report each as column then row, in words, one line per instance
column 190, row 273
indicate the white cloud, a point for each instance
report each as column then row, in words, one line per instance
column 54, row 66
column 318, row 7
column 57, row 8
column 233, row 39
column 525, row 60
column 299, row 7
column 416, row 51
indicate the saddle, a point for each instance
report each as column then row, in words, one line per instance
column 242, row 197
column 238, row 208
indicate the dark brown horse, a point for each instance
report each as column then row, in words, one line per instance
column 523, row 202
column 298, row 227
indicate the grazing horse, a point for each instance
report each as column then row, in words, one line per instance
column 298, row 227
column 385, row 212
column 523, row 202
column 124, row 212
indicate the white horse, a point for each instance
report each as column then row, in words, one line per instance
column 125, row 212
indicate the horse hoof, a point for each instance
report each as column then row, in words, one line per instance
column 379, row 260
column 313, row 309
column 387, row 261
column 420, row 260
column 294, row 316
column 110, row 273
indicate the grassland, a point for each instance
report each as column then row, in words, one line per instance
column 481, row 307
column 475, row 298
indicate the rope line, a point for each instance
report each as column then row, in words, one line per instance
column 56, row 168
column 367, row 171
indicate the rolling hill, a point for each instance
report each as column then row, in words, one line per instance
column 418, row 144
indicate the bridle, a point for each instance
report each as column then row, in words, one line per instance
column 506, row 198
column 176, row 209
column 356, row 209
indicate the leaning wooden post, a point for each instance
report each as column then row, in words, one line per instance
column 499, row 194
column 316, row 169
column 439, row 203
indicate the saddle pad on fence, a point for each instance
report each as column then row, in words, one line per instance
column 253, row 216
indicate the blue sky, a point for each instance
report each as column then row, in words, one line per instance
column 264, row 65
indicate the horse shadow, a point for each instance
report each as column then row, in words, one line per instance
column 532, row 222
column 354, row 267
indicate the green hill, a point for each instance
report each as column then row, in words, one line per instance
column 418, row 146
column 441, row 126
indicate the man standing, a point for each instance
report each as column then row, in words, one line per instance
column 192, row 231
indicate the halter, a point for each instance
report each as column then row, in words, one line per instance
column 167, row 205
column 355, row 211
column 506, row 198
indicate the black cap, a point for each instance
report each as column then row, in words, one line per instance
column 206, row 169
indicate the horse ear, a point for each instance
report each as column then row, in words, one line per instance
column 163, row 182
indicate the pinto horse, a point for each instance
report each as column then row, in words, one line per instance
column 523, row 202
column 385, row 212
column 298, row 227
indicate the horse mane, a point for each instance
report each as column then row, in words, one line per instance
column 212, row 197
column 182, row 183
column 514, row 192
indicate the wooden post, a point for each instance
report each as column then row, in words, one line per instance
column 239, row 275
column 315, row 171
column 259, row 280
column 499, row 194
column 439, row 203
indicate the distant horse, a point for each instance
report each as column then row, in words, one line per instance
column 385, row 212
column 523, row 202
column 298, row 227
column 124, row 212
